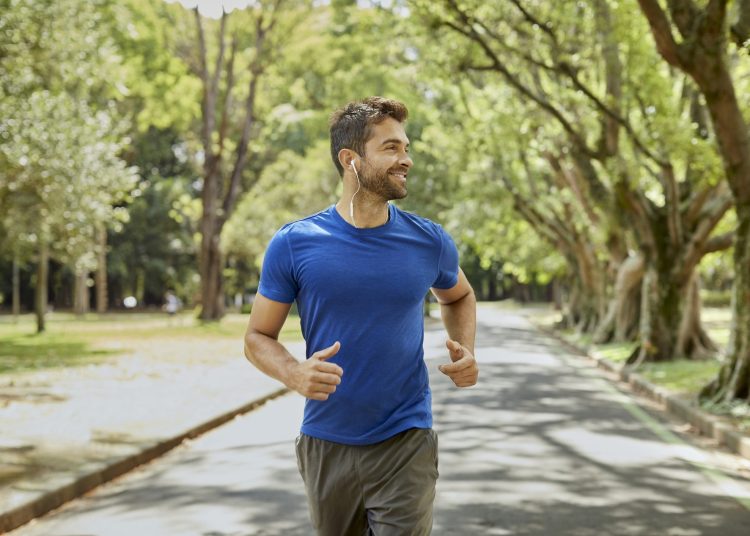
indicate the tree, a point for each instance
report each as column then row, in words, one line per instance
column 223, row 181
column 612, row 141
column 702, row 52
column 61, row 140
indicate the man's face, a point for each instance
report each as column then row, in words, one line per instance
column 386, row 161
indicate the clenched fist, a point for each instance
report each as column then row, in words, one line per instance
column 314, row 378
column 463, row 370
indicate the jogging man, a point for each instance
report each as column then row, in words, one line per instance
column 359, row 271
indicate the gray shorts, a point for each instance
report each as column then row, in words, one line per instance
column 383, row 489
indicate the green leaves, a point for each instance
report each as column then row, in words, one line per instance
column 61, row 134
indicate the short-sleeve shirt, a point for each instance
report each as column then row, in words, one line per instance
column 366, row 289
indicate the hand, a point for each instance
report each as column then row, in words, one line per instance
column 463, row 370
column 316, row 379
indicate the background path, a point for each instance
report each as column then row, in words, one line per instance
column 542, row 446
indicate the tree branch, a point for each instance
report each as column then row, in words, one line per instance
column 684, row 14
column 613, row 76
column 224, row 124
column 497, row 66
column 570, row 180
column 718, row 243
column 207, row 126
column 611, row 119
column 696, row 202
column 661, row 29
column 214, row 88
column 534, row 21
column 256, row 69
column 566, row 69
column 741, row 29
column 712, row 23
column 713, row 213
column 672, row 202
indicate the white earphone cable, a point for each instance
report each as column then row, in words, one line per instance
column 351, row 201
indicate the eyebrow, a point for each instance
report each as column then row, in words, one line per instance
column 393, row 140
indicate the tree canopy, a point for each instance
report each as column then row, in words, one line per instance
column 596, row 150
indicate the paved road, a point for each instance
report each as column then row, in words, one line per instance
column 542, row 446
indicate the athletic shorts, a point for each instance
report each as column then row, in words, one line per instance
column 383, row 489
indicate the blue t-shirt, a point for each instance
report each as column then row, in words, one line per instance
column 365, row 288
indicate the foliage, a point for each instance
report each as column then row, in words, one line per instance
column 60, row 131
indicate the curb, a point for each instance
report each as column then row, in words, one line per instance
column 707, row 424
column 84, row 483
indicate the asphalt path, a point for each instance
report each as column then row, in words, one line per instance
column 543, row 445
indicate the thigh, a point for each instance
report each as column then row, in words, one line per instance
column 334, row 495
column 399, row 479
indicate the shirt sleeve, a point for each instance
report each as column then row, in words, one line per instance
column 277, row 279
column 447, row 275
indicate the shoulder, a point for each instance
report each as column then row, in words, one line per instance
column 310, row 225
column 423, row 225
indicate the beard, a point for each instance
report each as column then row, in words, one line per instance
column 381, row 184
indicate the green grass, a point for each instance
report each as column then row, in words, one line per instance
column 77, row 341
column 681, row 376
column 617, row 352
column 31, row 352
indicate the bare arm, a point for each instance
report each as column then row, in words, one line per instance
column 458, row 308
column 313, row 378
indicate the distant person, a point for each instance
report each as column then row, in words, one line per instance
column 359, row 271
column 172, row 303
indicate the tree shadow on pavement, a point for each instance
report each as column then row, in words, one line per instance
column 539, row 448
column 241, row 479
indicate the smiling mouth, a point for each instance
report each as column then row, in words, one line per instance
column 399, row 175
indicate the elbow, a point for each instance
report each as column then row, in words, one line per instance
column 470, row 298
column 256, row 344
column 250, row 345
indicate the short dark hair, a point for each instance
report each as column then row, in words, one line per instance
column 351, row 126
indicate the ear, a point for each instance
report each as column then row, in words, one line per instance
column 346, row 157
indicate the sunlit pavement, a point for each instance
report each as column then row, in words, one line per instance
column 541, row 446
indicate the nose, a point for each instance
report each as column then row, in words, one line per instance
column 406, row 160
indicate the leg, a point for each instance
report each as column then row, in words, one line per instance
column 334, row 493
column 399, row 477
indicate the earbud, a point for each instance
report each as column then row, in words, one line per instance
column 351, row 165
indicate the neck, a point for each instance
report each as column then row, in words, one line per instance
column 368, row 211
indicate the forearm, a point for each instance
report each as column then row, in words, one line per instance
column 270, row 357
column 460, row 320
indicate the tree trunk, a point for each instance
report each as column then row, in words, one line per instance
column 81, row 293
column 692, row 339
column 621, row 321
column 733, row 380
column 212, row 293
column 16, row 305
column 670, row 318
column 101, row 271
column 581, row 308
column 492, row 286
column 42, row 273
column 557, row 294
column 140, row 286
column 589, row 302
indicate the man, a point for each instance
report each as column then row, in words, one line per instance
column 359, row 272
